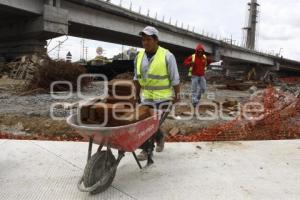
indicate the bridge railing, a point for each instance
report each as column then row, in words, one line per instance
column 128, row 6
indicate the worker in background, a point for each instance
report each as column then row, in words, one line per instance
column 156, row 78
column 251, row 74
column 197, row 64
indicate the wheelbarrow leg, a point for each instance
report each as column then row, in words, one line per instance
column 148, row 147
column 121, row 154
column 100, row 147
column 90, row 148
column 137, row 161
column 149, row 150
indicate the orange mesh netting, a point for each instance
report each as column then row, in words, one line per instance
column 281, row 120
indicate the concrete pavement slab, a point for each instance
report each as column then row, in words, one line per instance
column 222, row 170
column 30, row 172
column 2, row 142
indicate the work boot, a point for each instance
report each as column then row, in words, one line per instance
column 160, row 145
column 142, row 156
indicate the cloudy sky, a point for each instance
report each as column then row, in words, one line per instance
column 279, row 24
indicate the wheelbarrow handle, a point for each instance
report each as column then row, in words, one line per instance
column 166, row 112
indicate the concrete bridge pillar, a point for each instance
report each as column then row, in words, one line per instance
column 216, row 54
column 49, row 2
column 12, row 49
column 54, row 3
column 27, row 35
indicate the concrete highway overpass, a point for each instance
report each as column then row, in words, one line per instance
column 27, row 24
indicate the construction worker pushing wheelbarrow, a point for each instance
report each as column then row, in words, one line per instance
column 156, row 77
column 156, row 81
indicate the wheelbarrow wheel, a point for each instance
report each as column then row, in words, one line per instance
column 99, row 167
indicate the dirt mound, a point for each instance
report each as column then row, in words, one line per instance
column 125, row 76
column 53, row 71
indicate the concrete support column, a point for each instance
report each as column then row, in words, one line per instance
column 276, row 67
column 54, row 3
column 13, row 49
column 216, row 54
column 29, row 35
column 49, row 2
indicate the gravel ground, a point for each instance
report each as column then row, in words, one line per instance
column 17, row 112
column 212, row 94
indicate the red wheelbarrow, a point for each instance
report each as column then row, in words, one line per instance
column 101, row 167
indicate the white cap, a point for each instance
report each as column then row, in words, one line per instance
column 149, row 30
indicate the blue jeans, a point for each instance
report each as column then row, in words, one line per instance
column 198, row 88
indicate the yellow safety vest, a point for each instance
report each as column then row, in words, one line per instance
column 156, row 85
column 193, row 60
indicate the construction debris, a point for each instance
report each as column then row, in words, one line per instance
column 229, row 103
column 116, row 109
column 239, row 86
column 53, row 71
column 25, row 67
column 111, row 115
column 39, row 72
column 138, row 114
column 120, row 87
column 121, row 91
column 292, row 89
column 280, row 120
column 290, row 80
column 100, row 112
column 252, row 89
column 125, row 76
column 214, row 76
column 174, row 131
column 271, row 78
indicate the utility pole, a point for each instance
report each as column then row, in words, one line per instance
column 122, row 52
column 252, row 22
column 82, row 50
column 86, row 54
column 58, row 49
